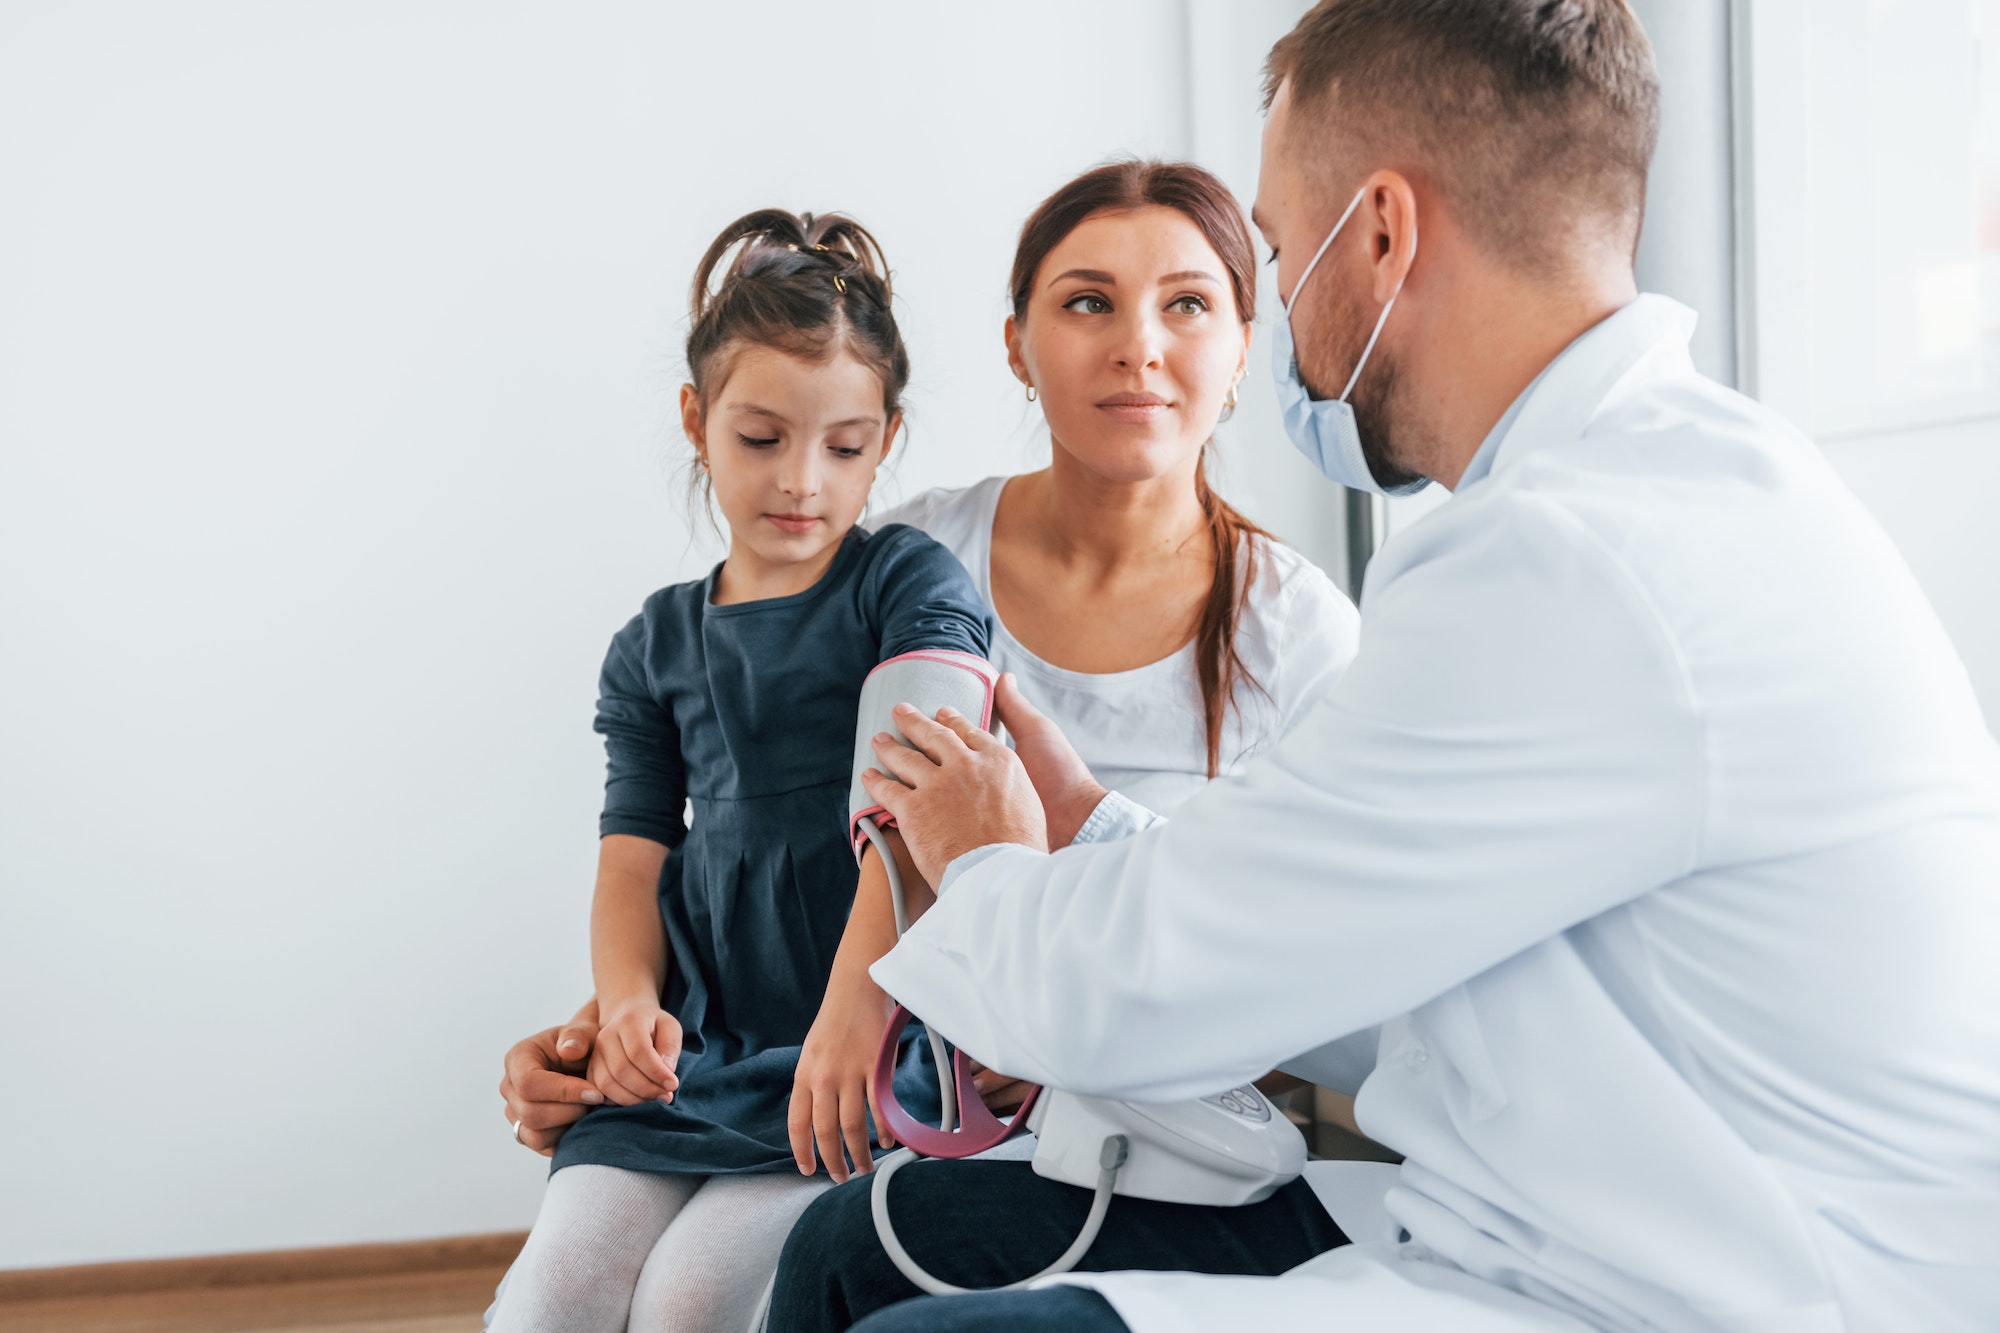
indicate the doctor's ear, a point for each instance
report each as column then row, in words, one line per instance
column 1389, row 222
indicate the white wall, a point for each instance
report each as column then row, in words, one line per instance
column 337, row 354
column 1933, row 489
column 1873, row 323
column 1687, row 247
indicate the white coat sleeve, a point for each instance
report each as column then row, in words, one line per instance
column 1323, row 632
column 1514, row 750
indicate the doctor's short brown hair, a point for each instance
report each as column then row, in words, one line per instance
column 1535, row 120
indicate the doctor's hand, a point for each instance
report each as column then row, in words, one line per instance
column 543, row 1085
column 959, row 789
column 1069, row 793
column 1002, row 1093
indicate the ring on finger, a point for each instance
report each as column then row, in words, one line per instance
column 517, row 1135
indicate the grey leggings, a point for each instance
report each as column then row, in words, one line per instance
column 614, row 1250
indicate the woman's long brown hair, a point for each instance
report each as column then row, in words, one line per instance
column 1121, row 187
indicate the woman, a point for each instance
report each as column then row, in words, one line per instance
column 1168, row 637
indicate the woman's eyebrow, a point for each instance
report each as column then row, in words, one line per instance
column 1087, row 275
column 1098, row 275
column 754, row 410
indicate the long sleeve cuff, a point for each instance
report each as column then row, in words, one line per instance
column 967, row 862
column 1116, row 816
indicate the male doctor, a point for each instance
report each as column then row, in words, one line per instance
column 1655, row 826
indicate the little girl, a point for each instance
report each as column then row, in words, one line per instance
column 712, row 942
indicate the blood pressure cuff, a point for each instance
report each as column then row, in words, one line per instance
column 930, row 679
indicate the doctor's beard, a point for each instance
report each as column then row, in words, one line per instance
column 1374, row 396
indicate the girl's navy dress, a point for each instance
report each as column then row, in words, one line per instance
column 748, row 711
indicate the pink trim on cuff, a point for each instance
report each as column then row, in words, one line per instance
column 883, row 820
column 964, row 662
column 988, row 676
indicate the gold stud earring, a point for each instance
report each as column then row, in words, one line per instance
column 1031, row 393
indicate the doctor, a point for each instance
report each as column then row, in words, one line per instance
column 1655, row 825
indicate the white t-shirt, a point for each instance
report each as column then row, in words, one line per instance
column 1141, row 731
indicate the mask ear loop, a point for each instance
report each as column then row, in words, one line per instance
column 1380, row 320
column 1300, row 285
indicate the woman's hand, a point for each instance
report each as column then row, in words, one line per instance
column 541, row 1084
column 635, row 1054
column 833, row 1092
column 1069, row 793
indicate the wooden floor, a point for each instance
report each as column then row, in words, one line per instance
column 422, row 1286
column 437, row 1286
column 442, row 1302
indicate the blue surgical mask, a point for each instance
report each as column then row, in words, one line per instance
column 1324, row 430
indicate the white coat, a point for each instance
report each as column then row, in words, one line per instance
column 1656, row 825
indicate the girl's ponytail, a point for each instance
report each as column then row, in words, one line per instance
column 765, row 226
column 805, row 284
column 845, row 237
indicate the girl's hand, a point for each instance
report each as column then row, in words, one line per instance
column 833, row 1093
column 635, row 1054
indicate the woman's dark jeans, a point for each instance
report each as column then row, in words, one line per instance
column 984, row 1224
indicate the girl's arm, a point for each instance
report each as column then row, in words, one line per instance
column 871, row 924
column 645, row 794
column 917, row 597
column 832, row 1094
column 639, row 1042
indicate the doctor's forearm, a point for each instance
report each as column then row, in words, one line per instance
column 1064, row 954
